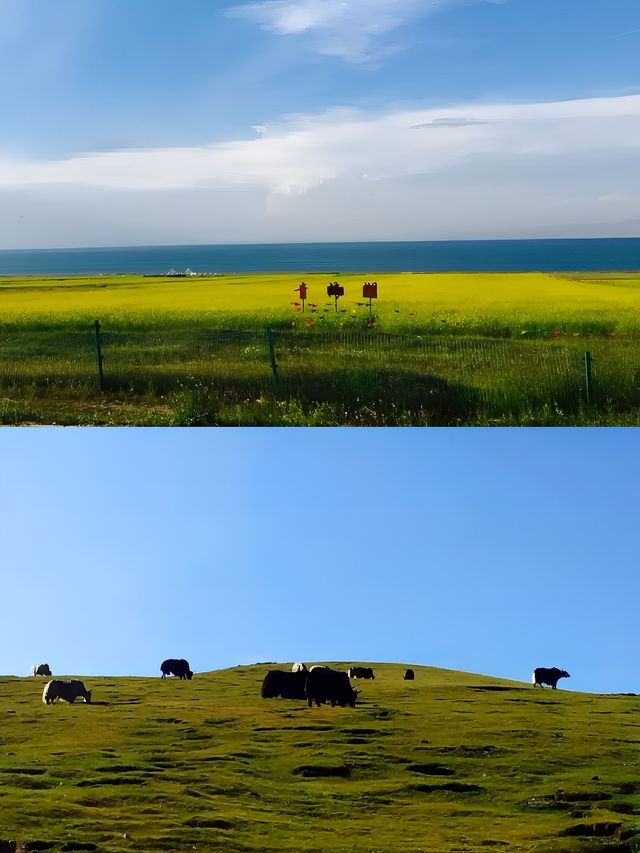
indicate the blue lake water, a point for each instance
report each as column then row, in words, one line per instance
column 334, row 258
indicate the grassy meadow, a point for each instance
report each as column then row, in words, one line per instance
column 450, row 762
column 483, row 348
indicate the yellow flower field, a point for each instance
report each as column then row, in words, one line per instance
column 593, row 303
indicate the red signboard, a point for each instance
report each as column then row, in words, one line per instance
column 302, row 290
column 370, row 289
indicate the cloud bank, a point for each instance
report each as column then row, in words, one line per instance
column 474, row 169
column 304, row 152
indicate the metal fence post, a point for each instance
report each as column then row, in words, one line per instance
column 588, row 378
column 268, row 333
column 96, row 325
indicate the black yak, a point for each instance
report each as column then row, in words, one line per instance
column 176, row 667
column 288, row 685
column 543, row 676
column 360, row 672
column 330, row 685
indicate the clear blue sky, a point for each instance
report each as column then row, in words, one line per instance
column 153, row 121
column 491, row 551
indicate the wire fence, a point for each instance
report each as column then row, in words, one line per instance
column 457, row 375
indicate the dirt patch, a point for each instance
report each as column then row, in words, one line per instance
column 562, row 796
column 119, row 768
column 629, row 787
column 471, row 751
column 455, row 787
column 207, row 759
column 96, row 802
column 208, row 791
column 363, row 732
column 24, row 846
column 626, row 834
column 430, row 769
column 492, row 687
column 34, row 783
column 210, row 823
column 26, row 771
column 620, row 808
column 607, row 828
column 357, row 740
column 114, row 780
column 575, row 804
column 314, row 771
column 309, row 728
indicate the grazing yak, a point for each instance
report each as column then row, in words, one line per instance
column 41, row 669
column 288, row 685
column 329, row 685
column 409, row 675
column 543, row 676
column 179, row 667
column 299, row 667
column 67, row 690
column 360, row 672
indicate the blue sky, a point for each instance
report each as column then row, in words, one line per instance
column 491, row 551
column 277, row 120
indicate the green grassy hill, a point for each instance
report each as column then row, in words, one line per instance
column 449, row 762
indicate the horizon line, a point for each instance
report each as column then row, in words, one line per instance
column 313, row 243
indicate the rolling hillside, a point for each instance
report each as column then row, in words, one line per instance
column 449, row 762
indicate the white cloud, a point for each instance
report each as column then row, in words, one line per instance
column 304, row 152
column 349, row 29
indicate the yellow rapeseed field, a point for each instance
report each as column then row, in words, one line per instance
column 593, row 302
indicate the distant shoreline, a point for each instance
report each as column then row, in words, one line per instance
column 619, row 274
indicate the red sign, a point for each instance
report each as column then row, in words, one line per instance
column 370, row 289
column 302, row 290
column 335, row 289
